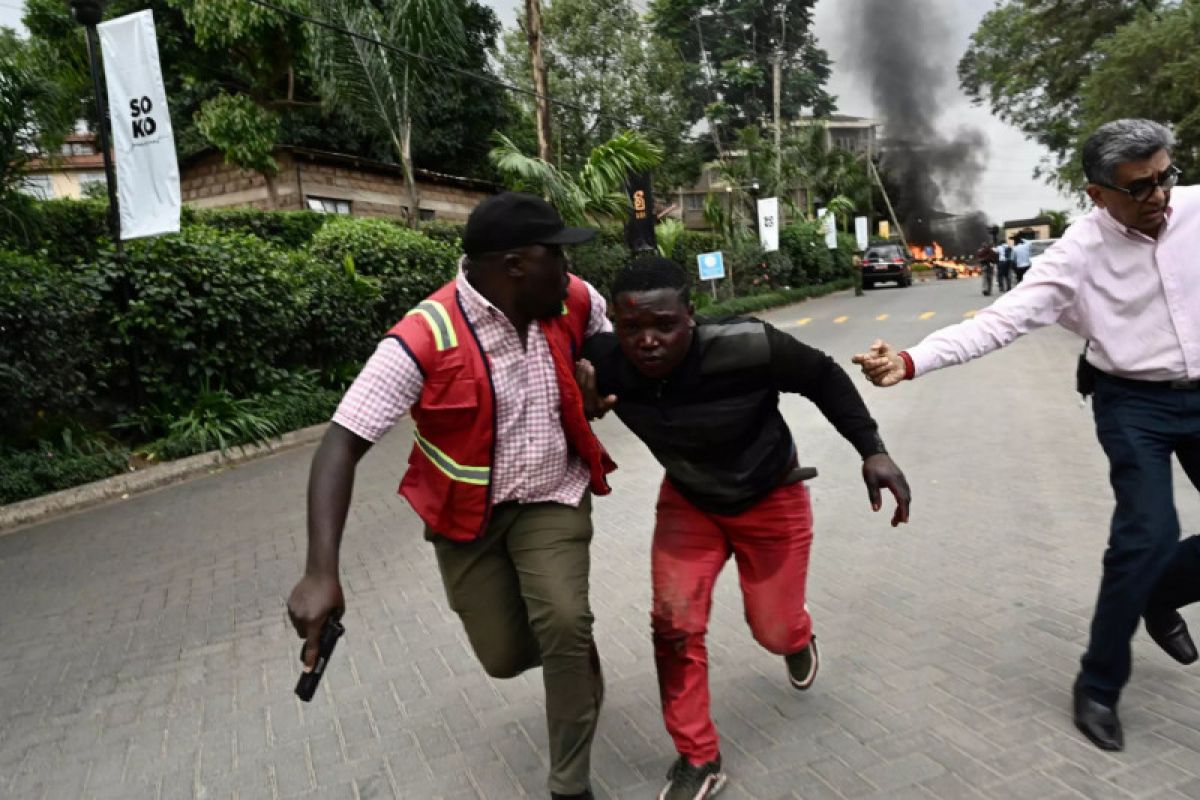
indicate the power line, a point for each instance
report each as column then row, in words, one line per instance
column 442, row 65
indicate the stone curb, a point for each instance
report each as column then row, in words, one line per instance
column 38, row 509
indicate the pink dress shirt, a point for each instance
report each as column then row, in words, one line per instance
column 1136, row 299
column 533, row 462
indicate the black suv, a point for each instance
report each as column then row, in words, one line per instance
column 886, row 262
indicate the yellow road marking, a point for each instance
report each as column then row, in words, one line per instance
column 969, row 314
column 928, row 315
column 840, row 320
column 881, row 318
column 804, row 321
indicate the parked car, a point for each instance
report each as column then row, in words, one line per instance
column 886, row 263
column 1039, row 246
column 945, row 272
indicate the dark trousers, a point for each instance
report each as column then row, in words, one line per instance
column 1147, row 569
column 1004, row 275
column 521, row 592
column 1019, row 272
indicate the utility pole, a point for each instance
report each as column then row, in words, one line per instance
column 533, row 34
column 888, row 201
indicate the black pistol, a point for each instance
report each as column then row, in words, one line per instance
column 306, row 687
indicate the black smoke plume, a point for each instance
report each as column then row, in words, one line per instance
column 906, row 56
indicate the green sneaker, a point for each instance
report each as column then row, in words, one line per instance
column 802, row 666
column 688, row 782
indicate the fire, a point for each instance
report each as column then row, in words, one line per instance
column 927, row 252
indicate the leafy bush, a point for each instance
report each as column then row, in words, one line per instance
column 46, row 353
column 450, row 233
column 407, row 265
column 748, row 305
column 804, row 242
column 68, row 231
column 291, row 230
column 335, row 325
column 599, row 260
column 48, row 468
column 690, row 244
column 206, row 305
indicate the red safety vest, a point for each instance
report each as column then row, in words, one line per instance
column 449, row 477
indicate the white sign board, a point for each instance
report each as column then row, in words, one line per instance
column 830, row 227
column 143, row 142
column 862, row 232
column 712, row 266
column 768, row 224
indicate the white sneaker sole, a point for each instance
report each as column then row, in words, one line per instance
column 712, row 785
column 812, row 673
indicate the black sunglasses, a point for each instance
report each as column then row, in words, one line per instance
column 1143, row 189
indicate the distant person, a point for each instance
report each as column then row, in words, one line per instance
column 703, row 395
column 986, row 255
column 1022, row 259
column 1124, row 278
column 503, row 464
column 1004, row 266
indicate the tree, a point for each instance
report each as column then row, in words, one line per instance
column 1148, row 68
column 381, row 87
column 36, row 106
column 595, row 192
column 1059, row 221
column 604, row 60
column 730, row 47
column 1022, row 66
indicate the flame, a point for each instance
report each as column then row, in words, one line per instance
column 926, row 252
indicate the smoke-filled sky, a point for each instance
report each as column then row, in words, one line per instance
column 1005, row 188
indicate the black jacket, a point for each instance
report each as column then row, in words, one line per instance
column 714, row 424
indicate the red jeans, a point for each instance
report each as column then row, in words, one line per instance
column 771, row 543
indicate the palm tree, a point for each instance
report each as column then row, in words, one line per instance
column 596, row 192
column 1059, row 221
column 381, row 86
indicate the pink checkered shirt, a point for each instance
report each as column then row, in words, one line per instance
column 533, row 462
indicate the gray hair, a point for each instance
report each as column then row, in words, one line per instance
column 1120, row 141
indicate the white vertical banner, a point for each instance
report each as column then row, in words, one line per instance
column 143, row 142
column 830, row 224
column 862, row 232
column 768, row 224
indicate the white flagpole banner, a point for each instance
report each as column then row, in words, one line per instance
column 143, row 142
column 861, row 232
column 768, row 224
column 830, row 223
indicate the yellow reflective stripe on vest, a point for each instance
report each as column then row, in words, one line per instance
column 477, row 476
column 439, row 322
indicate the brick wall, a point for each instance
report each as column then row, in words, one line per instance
column 210, row 183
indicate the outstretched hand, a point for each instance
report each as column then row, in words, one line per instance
column 881, row 365
column 879, row 471
column 594, row 405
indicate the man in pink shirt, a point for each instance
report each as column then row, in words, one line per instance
column 1124, row 277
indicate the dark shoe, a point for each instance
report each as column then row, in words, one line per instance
column 688, row 782
column 802, row 666
column 1170, row 632
column 586, row 794
column 1096, row 721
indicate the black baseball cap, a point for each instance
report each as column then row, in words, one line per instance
column 510, row 220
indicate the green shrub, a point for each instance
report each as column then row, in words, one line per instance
column 291, row 230
column 47, row 356
column 30, row 473
column 450, row 233
column 67, row 231
column 748, row 305
column 804, row 242
column 407, row 265
column 599, row 260
column 207, row 306
column 691, row 244
column 335, row 305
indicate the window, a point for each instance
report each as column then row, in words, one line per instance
column 426, row 214
column 328, row 205
column 694, row 202
column 38, row 186
column 87, row 179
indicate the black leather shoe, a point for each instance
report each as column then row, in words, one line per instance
column 1170, row 632
column 586, row 794
column 1097, row 722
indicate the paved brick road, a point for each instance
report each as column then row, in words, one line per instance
column 145, row 652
